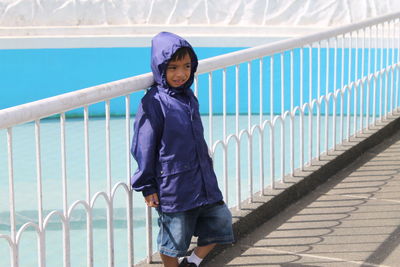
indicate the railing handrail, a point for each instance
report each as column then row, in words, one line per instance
column 68, row 101
column 249, row 54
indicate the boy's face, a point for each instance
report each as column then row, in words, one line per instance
column 178, row 72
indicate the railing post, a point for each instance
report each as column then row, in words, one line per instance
column 311, row 112
column 271, row 88
column 397, row 60
column 238, row 161
column 89, row 218
column 261, row 149
column 293, row 116
column 41, row 234
column 272, row 154
column 149, row 235
column 210, row 109
column 224, row 130
column 129, row 212
column 11, row 198
column 369, row 65
column 283, row 149
column 381, row 107
column 326, row 94
column 250, row 142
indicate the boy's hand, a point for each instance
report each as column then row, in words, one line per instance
column 152, row 200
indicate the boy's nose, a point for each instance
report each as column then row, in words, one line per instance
column 180, row 73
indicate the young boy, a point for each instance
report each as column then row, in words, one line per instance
column 175, row 172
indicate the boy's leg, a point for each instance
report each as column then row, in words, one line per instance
column 176, row 231
column 198, row 255
column 214, row 226
column 169, row 261
column 202, row 252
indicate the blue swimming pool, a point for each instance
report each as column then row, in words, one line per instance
column 33, row 74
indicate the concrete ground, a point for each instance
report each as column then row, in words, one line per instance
column 353, row 219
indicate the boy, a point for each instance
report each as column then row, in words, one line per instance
column 175, row 173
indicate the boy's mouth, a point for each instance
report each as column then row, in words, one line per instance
column 179, row 82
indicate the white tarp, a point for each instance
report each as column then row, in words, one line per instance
column 21, row 13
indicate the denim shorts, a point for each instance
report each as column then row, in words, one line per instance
column 212, row 224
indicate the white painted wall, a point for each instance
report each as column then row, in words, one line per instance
column 14, row 13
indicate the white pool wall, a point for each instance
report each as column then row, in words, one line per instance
column 27, row 24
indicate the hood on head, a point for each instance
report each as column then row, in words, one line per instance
column 163, row 46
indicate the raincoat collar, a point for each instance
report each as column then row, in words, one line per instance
column 163, row 46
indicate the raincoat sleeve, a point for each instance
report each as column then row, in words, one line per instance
column 144, row 149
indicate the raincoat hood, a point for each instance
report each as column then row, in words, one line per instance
column 163, row 46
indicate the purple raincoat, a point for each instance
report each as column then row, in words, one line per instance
column 168, row 142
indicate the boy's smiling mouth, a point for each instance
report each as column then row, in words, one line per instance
column 178, row 83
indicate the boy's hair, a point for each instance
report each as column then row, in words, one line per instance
column 181, row 53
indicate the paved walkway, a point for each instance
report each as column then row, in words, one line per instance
column 351, row 220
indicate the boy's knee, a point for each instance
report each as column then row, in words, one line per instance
column 225, row 215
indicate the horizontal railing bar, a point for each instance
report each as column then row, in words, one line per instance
column 69, row 101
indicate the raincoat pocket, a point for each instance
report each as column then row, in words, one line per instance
column 174, row 167
column 177, row 183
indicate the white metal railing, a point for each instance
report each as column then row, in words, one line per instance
column 277, row 106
